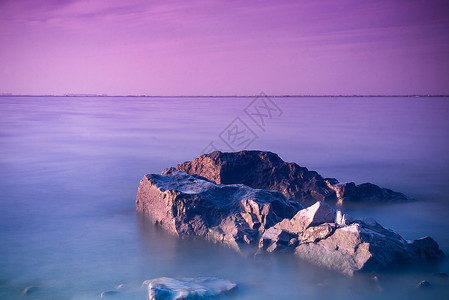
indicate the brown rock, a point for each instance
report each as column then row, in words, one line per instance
column 262, row 170
column 265, row 170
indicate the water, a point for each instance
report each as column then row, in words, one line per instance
column 70, row 168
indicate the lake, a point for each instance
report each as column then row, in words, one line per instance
column 70, row 168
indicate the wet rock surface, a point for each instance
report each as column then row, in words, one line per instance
column 244, row 217
column 266, row 170
column 193, row 206
column 165, row 288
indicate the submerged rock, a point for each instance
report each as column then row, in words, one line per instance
column 266, row 170
column 30, row 290
column 165, row 288
column 107, row 294
column 239, row 215
column 424, row 285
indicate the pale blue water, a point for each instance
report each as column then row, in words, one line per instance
column 70, row 168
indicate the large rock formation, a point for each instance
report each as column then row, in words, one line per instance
column 265, row 170
column 193, row 206
column 237, row 215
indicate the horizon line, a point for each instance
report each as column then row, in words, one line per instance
column 228, row 96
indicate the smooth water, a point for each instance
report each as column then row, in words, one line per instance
column 70, row 168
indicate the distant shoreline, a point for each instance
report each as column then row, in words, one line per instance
column 230, row 96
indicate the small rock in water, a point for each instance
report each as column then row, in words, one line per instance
column 165, row 288
column 109, row 294
column 30, row 289
column 424, row 285
column 377, row 283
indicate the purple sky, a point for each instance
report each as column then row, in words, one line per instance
column 228, row 47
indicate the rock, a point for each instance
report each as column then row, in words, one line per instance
column 364, row 247
column 241, row 216
column 377, row 283
column 361, row 246
column 191, row 206
column 275, row 240
column 424, row 285
column 316, row 214
column 266, row 170
column 109, row 294
column 262, row 170
column 352, row 249
column 315, row 233
column 342, row 219
column 365, row 192
column 30, row 290
column 188, row 288
column 426, row 248
column 293, row 242
column 123, row 287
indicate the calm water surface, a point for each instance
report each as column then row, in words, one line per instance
column 70, row 168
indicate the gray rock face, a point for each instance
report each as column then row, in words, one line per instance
column 265, row 170
column 188, row 288
column 238, row 216
column 193, row 206
column 351, row 246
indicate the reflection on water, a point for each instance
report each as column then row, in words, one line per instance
column 70, row 167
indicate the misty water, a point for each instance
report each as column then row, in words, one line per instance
column 70, row 168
